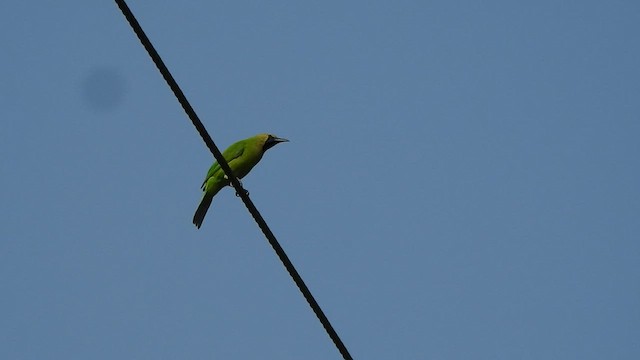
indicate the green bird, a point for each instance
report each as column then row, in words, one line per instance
column 241, row 157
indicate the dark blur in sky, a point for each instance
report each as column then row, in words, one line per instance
column 462, row 180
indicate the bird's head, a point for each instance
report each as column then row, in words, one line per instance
column 270, row 141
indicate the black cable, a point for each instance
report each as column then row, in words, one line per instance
column 234, row 181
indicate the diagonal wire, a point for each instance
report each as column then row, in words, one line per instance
column 234, row 181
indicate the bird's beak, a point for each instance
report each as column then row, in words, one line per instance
column 272, row 141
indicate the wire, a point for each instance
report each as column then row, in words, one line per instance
column 234, row 181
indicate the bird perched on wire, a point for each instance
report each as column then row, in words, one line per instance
column 241, row 157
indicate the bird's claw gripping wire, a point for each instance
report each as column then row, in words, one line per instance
column 245, row 192
column 240, row 182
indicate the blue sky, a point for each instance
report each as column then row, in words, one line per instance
column 461, row 181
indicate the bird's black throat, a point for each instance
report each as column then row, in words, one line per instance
column 271, row 142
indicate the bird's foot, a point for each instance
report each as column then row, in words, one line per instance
column 245, row 192
column 229, row 181
column 239, row 182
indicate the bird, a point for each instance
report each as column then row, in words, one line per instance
column 241, row 156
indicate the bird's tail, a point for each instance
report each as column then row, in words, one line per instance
column 198, row 217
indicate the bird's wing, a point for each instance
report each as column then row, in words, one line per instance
column 233, row 152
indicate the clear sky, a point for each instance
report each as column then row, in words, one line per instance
column 462, row 180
